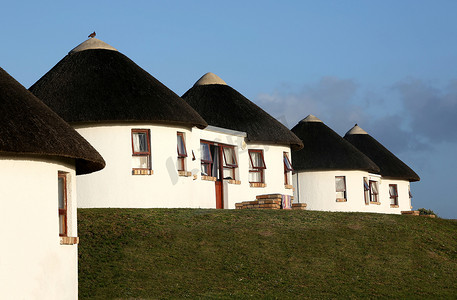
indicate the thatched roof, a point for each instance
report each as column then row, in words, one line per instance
column 29, row 127
column 222, row 106
column 325, row 150
column 96, row 83
column 390, row 165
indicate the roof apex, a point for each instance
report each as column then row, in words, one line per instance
column 356, row 130
column 92, row 43
column 311, row 118
column 210, row 78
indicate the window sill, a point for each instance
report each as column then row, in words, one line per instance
column 69, row 240
column 393, row 206
column 341, row 200
column 184, row 173
column 208, row 178
column 142, row 172
column 257, row 184
column 232, row 181
column 377, row 203
column 289, row 186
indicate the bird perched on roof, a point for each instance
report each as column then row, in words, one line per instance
column 92, row 34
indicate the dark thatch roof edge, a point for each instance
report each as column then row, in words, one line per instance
column 222, row 106
column 325, row 150
column 104, row 85
column 29, row 127
column 391, row 166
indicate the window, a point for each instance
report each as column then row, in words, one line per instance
column 340, row 187
column 366, row 190
column 393, row 192
column 230, row 163
column 374, row 191
column 206, row 158
column 141, row 149
column 62, row 198
column 182, row 153
column 287, row 168
column 256, row 166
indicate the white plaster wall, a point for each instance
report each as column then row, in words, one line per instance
column 274, row 173
column 205, row 190
column 115, row 186
column 317, row 190
column 33, row 264
column 235, row 193
column 404, row 202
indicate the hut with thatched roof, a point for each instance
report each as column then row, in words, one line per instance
column 143, row 129
column 394, row 188
column 263, row 156
column 329, row 172
column 40, row 156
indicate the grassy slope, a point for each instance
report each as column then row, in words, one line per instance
column 190, row 253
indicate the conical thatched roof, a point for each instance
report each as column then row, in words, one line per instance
column 390, row 165
column 96, row 83
column 28, row 127
column 325, row 150
column 222, row 106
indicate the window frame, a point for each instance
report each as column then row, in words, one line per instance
column 204, row 162
column 344, row 191
column 366, row 191
column 286, row 161
column 254, row 169
column 227, row 166
column 376, row 196
column 63, row 211
column 142, row 153
column 393, row 197
column 181, row 156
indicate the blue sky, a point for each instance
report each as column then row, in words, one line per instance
column 387, row 65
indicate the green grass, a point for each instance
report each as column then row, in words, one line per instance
column 193, row 253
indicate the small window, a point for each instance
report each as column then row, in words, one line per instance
column 256, row 166
column 206, row 159
column 287, row 168
column 366, row 190
column 230, row 163
column 182, row 153
column 393, row 192
column 374, row 192
column 62, row 200
column 340, row 187
column 141, row 151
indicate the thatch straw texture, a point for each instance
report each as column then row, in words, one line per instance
column 29, row 127
column 390, row 165
column 99, row 85
column 325, row 150
column 222, row 106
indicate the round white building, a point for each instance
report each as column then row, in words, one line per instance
column 143, row 129
column 40, row 155
column 329, row 173
column 394, row 189
column 261, row 161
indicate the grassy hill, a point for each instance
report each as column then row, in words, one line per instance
column 193, row 253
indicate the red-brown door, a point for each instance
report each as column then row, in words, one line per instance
column 219, row 194
column 219, row 176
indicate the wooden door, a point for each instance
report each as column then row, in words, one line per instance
column 219, row 194
column 219, row 178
